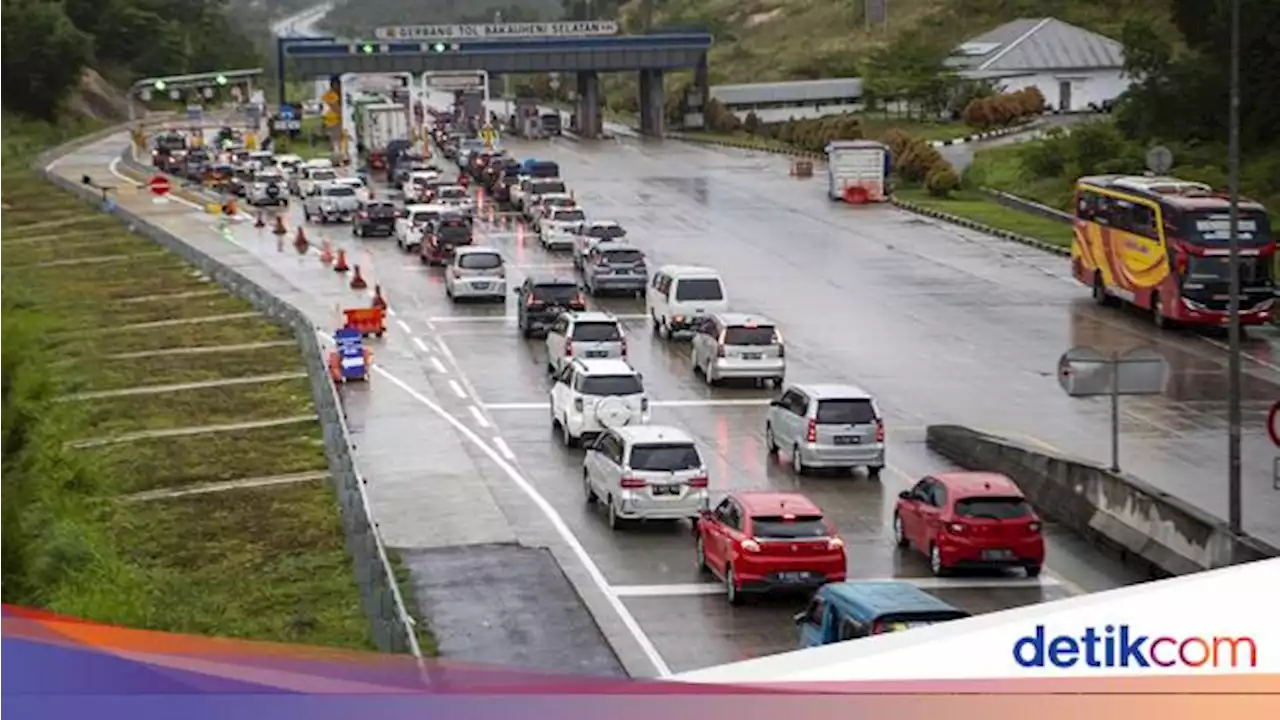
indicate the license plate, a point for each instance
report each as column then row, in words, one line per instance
column 793, row 577
column 997, row 554
column 847, row 440
column 481, row 286
column 666, row 489
column 752, row 356
column 597, row 353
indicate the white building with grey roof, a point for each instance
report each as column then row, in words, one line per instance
column 1076, row 70
column 799, row 99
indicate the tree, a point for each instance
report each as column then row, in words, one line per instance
column 43, row 56
column 911, row 69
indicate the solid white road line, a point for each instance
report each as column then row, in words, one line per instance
column 421, row 345
column 479, row 416
column 924, row 583
column 457, row 389
column 404, row 326
column 512, row 318
column 557, row 522
column 391, row 312
column 739, row 402
column 504, row 449
column 437, row 365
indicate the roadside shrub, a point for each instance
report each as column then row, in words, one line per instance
column 918, row 161
column 752, row 123
column 1004, row 109
column 898, row 141
column 977, row 113
column 1032, row 100
column 941, row 180
column 719, row 118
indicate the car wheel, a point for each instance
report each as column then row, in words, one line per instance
column 731, row 587
column 1100, row 295
column 653, row 320
column 615, row 522
column 899, row 533
column 797, row 462
column 770, row 442
column 700, row 555
column 587, row 490
column 935, row 561
column 566, row 435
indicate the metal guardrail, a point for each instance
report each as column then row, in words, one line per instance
column 1015, row 202
column 391, row 625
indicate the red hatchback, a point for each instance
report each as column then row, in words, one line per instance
column 769, row 542
column 969, row 520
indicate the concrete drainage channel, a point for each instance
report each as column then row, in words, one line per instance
column 503, row 603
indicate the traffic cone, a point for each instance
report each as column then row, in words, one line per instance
column 300, row 242
column 326, row 253
column 357, row 280
column 340, row 265
column 259, row 222
column 378, row 300
column 231, row 207
column 279, row 229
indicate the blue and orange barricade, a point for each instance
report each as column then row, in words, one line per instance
column 366, row 321
column 350, row 360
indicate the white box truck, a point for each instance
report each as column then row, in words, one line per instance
column 858, row 171
column 379, row 124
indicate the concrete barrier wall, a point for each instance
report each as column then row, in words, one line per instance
column 1165, row 533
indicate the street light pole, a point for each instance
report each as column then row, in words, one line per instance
column 1235, row 511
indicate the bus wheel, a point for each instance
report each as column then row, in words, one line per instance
column 1100, row 295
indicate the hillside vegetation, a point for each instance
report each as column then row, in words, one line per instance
column 359, row 18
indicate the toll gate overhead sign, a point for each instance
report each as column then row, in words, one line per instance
column 497, row 31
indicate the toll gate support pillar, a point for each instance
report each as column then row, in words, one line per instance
column 652, row 103
column 590, row 117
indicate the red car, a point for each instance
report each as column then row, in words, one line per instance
column 760, row 542
column 969, row 520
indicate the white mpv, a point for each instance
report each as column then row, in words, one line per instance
column 680, row 296
column 646, row 472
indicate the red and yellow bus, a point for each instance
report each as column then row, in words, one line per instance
column 1161, row 244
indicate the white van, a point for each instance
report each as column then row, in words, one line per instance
column 680, row 296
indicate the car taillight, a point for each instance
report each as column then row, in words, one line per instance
column 457, row 273
column 877, row 628
column 750, row 545
column 812, row 435
column 644, row 404
column 1034, row 527
column 533, row 301
column 720, row 351
column 782, row 350
column 955, row 528
column 834, row 543
column 632, row 483
column 364, row 216
column 568, row 349
column 698, row 482
column 879, row 431
column 579, row 301
column 577, row 404
column 624, row 347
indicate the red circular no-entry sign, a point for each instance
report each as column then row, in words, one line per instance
column 159, row 185
column 1273, row 423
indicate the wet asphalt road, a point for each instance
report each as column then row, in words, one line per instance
column 943, row 325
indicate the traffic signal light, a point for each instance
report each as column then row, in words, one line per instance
column 160, row 85
column 221, row 79
column 367, row 49
column 439, row 47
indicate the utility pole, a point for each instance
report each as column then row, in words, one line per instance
column 1235, row 501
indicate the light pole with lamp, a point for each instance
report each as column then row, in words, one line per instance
column 1234, row 495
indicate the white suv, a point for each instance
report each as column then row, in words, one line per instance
column 586, row 335
column 591, row 396
column 646, row 473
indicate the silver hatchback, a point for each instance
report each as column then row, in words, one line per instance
column 734, row 345
column 827, row 426
column 476, row 272
column 612, row 266
column 586, row 335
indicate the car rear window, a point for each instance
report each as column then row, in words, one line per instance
column 545, row 187
column 568, row 216
column 596, row 331
column 555, row 293
column 606, row 232
column 993, row 508
column 382, row 209
column 323, row 175
column 455, row 231
column 424, row 217
column 480, row 261
column 340, row 191
column 451, row 193
column 665, row 457
column 777, row 526
column 845, row 412
column 743, row 335
column 699, row 289
column 610, row 385
column 623, row 257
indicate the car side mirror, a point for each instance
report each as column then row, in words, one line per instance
column 800, row 618
column 906, row 495
column 775, row 403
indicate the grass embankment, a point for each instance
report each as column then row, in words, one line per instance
column 265, row 563
column 976, row 206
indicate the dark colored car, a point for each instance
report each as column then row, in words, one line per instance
column 240, row 180
column 375, row 218
column 445, row 234
column 510, row 176
column 541, row 300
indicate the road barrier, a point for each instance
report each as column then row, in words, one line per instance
column 1162, row 532
column 391, row 625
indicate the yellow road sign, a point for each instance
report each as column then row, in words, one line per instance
column 330, row 98
column 488, row 134
column 331, row 119
column 250, row 141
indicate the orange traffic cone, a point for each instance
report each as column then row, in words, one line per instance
column 378, row 300
column 300, row 242
column 326, row 253
column 279, row 229
column 357, row 280
column 259, row 222
column 340, row 265
column 231, row 207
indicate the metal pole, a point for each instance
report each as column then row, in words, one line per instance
column 1234, row 501
column 1115, row 414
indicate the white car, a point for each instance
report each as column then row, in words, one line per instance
column 555, row 228
column 679, row 297
column 456, row 197
column 587, row 234
column 309, row 180
column 268, row 188
column 330, row 203
column 646, row 472
column 539, row 205
column 476, row 272
column 525, row 195
column 587, row 335
column 591, row 396
column 355, row 183
column 409, row 229
column 416, row 185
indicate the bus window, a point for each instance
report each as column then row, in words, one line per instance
column 1089, row 205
